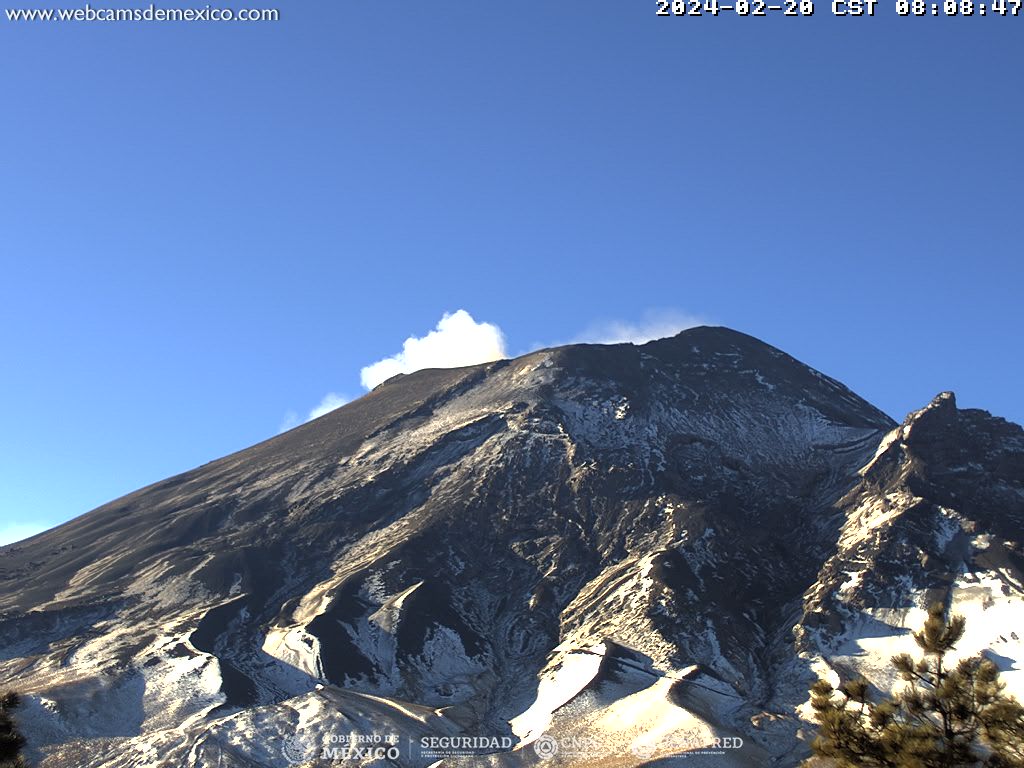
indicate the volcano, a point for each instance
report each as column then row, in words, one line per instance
column 586, row 556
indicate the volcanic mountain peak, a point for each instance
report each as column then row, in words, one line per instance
column 544, row 544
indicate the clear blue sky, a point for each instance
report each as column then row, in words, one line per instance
column 206, row 227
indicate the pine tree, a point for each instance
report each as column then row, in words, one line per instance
column 945, row 717
column 11, row 740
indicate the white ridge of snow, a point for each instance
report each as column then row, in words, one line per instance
column 296, row 648
column 887, row 441
column 557, row 687
column 990, row 602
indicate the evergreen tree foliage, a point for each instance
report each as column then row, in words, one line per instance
column 11, row 741
column 947, row 716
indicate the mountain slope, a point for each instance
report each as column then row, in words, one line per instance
column 539, row 547
column 938, row 515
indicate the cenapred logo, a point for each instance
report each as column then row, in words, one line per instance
column 684, row 742
column 572, row 746
column 546, row 747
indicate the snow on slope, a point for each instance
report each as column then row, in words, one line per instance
column 936, row 517
column 632, row 551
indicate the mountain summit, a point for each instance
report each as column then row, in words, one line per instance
column 590, row 555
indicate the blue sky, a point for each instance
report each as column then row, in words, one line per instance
column 206, row 228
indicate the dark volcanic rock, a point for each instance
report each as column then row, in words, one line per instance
column 433, row 551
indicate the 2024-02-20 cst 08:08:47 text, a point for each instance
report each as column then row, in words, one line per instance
column 679, row 8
